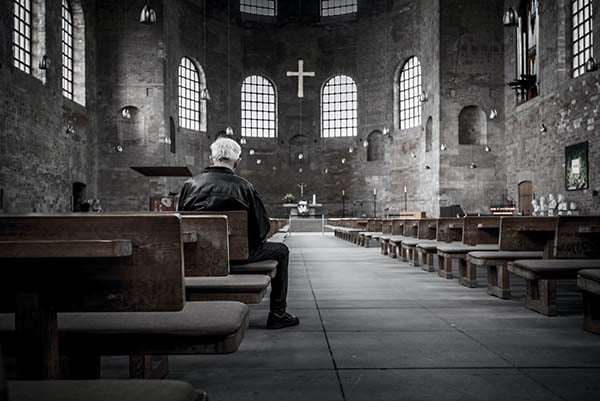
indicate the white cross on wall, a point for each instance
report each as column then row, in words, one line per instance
column 300, row 74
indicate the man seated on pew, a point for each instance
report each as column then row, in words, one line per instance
column 218, row 188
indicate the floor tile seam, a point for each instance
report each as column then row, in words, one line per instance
column 333, row 361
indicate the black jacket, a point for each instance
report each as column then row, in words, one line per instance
column 219, row 189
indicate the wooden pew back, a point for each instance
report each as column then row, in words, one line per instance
column 374, row 225
column 481, row 230
column 207, row 252
column 411, row 228
column 449, row 229
column 97, row 276
column 427, row 229
column 237, row 222
column 398, row 226
column 524, row 233
column 386, row 226
column 577, row 237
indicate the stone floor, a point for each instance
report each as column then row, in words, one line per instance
column 373, row 328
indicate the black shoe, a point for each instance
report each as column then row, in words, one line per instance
column 275, row 321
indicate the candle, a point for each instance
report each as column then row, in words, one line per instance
column 314, row 199
column 374, row 191
column 405, row 189
column 343, row 193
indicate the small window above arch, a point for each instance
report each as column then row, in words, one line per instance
column 472, row 126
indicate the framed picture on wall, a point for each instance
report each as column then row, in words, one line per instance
column 576, row 167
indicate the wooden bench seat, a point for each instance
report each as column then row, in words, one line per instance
column 103, row 390
column 541, row 276
column 247, row 288
column 588, row 281
column 448, row 253
column 267, row 267
column 416, row 231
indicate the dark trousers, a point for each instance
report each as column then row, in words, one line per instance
column 279, row 284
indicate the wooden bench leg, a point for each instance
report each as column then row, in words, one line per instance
column 428, row 262
column 499, row 281
column 468, row 274
column 445, row 268
column 402, row 253
column 591, row 310
column 415, row 257
column 148, row 367
column 541, row 296
column 392, row 250
column 384, row 249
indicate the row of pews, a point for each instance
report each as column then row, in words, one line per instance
column 541, row 250
column 76, row 287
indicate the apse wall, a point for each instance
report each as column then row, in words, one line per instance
column 40, row 158
column 566, row 106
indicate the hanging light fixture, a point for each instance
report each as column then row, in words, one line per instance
column 44, row 62
column 119, row 148
column 510, row 18
column 205, row 94
column 385, row 131
column 229, row 131
column 427, row 167
column 148, row 14
column 493, row 114
column 443, row 147
column 326, row 171
column 487, row 148
column 413, row 155
column 543, row 128
column 300, row 170
column 258, row 161
column 251, row 152
column 424, row 97
column 300, row 156
column 343, row 161
column 70, row 129
column 350, row 150
column 243, row 141
column 366, row 143
column 590, row 65
column 473, row 166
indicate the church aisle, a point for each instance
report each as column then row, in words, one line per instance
column 373, row 328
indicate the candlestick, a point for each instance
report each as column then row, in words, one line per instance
column 343, row 193
column 405, row 189
column 374, row 191
column 314, row 199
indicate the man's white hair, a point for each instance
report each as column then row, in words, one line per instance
column 225, row 150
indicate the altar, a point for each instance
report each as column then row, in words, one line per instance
column 302, row 209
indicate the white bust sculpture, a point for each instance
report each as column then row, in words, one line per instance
column 543, row 206
column 536, row 207
column 562, row 204
column 573, row 209
column 552, row 204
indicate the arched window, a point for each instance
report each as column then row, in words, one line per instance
column 472, row 126
column 192, row 109
column 67, row 50
column 410, row 89
column 259, row 7
column 22, row 35
column 339, row 107
column 259, row 108
column 338, row 7
column 583, row 38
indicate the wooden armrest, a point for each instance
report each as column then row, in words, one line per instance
column 66, row 249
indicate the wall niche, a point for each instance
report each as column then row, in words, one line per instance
column 472, row 126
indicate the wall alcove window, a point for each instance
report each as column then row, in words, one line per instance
column 339, row 107
column 429, row 135
column 409, row 88
column 376, row 146
column 582, row 34
column 527, row 51
column 472, row 126
column 29, row 36
column 259, row 107
column 259, row 7
column 338, row 7
column 191, row 82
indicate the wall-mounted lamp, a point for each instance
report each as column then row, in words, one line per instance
column 493, row 114
column 44, row 62
column 258, row 161
column 205, row 94
column 119, row 148
column 543, row 128
column 427, row 167
column 243, row 141
column 413, row 155
column 350, row 150
column 300, row 170
column 473, row 166
column 300, row 156
column 443, row 147
column 70, row 129
column 591, row 65
column 385, row 131
column 251, row 152
column 424, row 97
column 365, row 143
column 510, row 18
column 229, row 131
column 148, row 14
column 326, row 171
column 487, row 148
column 343, row 161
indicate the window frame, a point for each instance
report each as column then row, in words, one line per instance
column 328, row 8
column 409, row 97
column 326, row 110
column 252, row 7
column 185, row 95
column 254, row 129
column 22, row 33
column 68, row 35
column 580, row 57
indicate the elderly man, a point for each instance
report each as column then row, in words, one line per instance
column 218, row 188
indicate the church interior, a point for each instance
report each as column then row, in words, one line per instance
column 433, row 167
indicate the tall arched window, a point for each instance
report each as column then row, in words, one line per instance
column 339, row 107
column 583, row 38
column 259, row 7
column 192, row 109
column 410, row 89
column 338, row 7
column 67, row 50
column 22, row 33
column 259, row 108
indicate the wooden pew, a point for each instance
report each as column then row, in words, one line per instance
column 589, row 284
column 397, row 233
column 386, row 232
column 207, row 278
column 444, row 235
column 520, row 238
column 374, row 227
column 575, row 247
column 96, row 390
column 103, row 263
column 426, row 232
column 410, row 230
